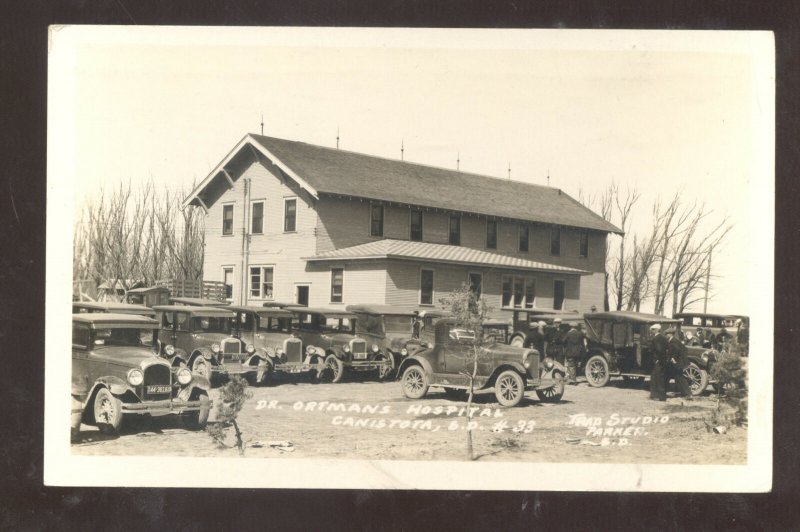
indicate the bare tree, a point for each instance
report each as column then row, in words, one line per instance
column 469, row 312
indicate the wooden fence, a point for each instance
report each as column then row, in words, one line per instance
column 194, row 288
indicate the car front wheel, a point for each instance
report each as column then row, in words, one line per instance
column 697, row 377
column 414, row 382
column 201, row 366
column 554, row 393
column 385, row 370
column 335, row 367
column 198, row 420
column 509, row 388
column 107, row 412
column 597, row 371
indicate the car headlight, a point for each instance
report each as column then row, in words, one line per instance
column 704, row 356
column 310, row 350
column 135, row 377
column 346, row 348
column 215, row 348
column 404, row 351
column 251, row 348
column 548, row 363
column 529, row 360
column 375, row 348
column 169, row 350
column 184, row 376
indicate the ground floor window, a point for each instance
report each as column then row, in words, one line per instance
column 227, row 280
column 261, row 282
column 337, row 284
column 426, row 287
column 558, row 295
column 518, row 292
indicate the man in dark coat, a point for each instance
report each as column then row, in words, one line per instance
column 574, row 347
column 554, row 339
column 659, row 346
column 678, row 361
column 536, row 337
column 743, row 336
column 721, row 342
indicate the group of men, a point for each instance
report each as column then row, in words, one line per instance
column 706, row 337
column 548, row 338
column 669, row 360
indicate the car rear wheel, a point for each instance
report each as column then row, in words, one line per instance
column 335, row 367
column 107, row 412
column 697, row 377
column 509, row 388
column 554, row 393
column 414, row 382
column 597, row 371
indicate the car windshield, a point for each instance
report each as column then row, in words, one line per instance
column 211, row 324
column 244, row 321
column 336, row 325
column 370, row 324
column 272, row 324
column 398, row 324
column 124, row 337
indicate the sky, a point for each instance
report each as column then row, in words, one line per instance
column 658, row 111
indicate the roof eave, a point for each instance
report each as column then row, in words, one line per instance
column 194, row 199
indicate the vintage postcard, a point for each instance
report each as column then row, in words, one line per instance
column 410, row 258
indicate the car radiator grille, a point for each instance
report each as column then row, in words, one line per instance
column 157, row 375
column 359, row 349
column 293, row 348
column 231, row 347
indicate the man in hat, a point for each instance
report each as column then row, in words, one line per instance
column 678, row 362
column 553, row 338
column 574, row 347
column 659, row 346
column 722, row 339
column 536, row 338
column 699, row 337
column 743, row 336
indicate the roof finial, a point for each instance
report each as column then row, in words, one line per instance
column 402, row 148
column 262, row 124
column 509, row 170
column 548, row 177
column 458, row 161
column 337, row 137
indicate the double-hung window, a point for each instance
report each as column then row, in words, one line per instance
column 416, row 225
column 257, row 218
column 289, row 215
column 376, row 219
column 261, row 282
column 583, row 248
column 227, row 219
column 518, row 292
column 555, row 241
column 455, row 230
column 337, row 285
column 491, row 234
column 524, row 238
column 426, row 287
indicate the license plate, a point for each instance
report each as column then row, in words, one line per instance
column 360, row 356
column 158, row 388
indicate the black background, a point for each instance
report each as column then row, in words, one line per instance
column 26, row 504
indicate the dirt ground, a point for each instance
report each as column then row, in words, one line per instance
column 372, row 420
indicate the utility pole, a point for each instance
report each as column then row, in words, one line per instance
column 262, row 124
column 337, row 137
column 402, row 149
column 458, row 161
column 509, row 170
column 548, row 177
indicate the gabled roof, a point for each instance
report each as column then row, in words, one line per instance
column 406, row 250
column 322, row 170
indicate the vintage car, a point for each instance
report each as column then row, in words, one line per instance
column 193, row 337
column 196, row 302
column 83, row 307
column 523, row 320
column 149, row 296
column 712, row 325
column 619, row 344
column 389, row 327
column 509, row 370
column 116, row 373
column 332, row 334
column 269, row 330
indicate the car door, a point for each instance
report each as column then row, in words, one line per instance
column 166, row 330
column 457, row 352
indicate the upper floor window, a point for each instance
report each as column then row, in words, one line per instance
column 290, row 215
column 257, row 222
column 376, row 220
column 416, row 225
column 337, row 285
column 227, row 219
column 583, row 248
column 524, row 238
column 555, row 241
column 455, row 230
column 491, row 234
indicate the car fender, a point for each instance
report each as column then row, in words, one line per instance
column 558, row 367
column 199, row 384
column 115, row 385
column 697, row 359
column 179, row 357
column 515, row 366
column 414, row 360
column 258, row 358
column 204, row 352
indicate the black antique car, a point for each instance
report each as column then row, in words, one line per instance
column 509, row 370
column 332, row 334
column 88, row 307
column 389, row 327
column 194, row 337
column 619, row 344
column 116, row 372
column 269, row 330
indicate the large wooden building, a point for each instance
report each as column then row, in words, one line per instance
column 290, row 221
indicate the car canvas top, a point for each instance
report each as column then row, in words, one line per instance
column 327, row 312
column 211, row 312
column 114, row 306
column 103, row 318
column 382, row 309
column 196, row 302
column 261, row 311
column 629, row 315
